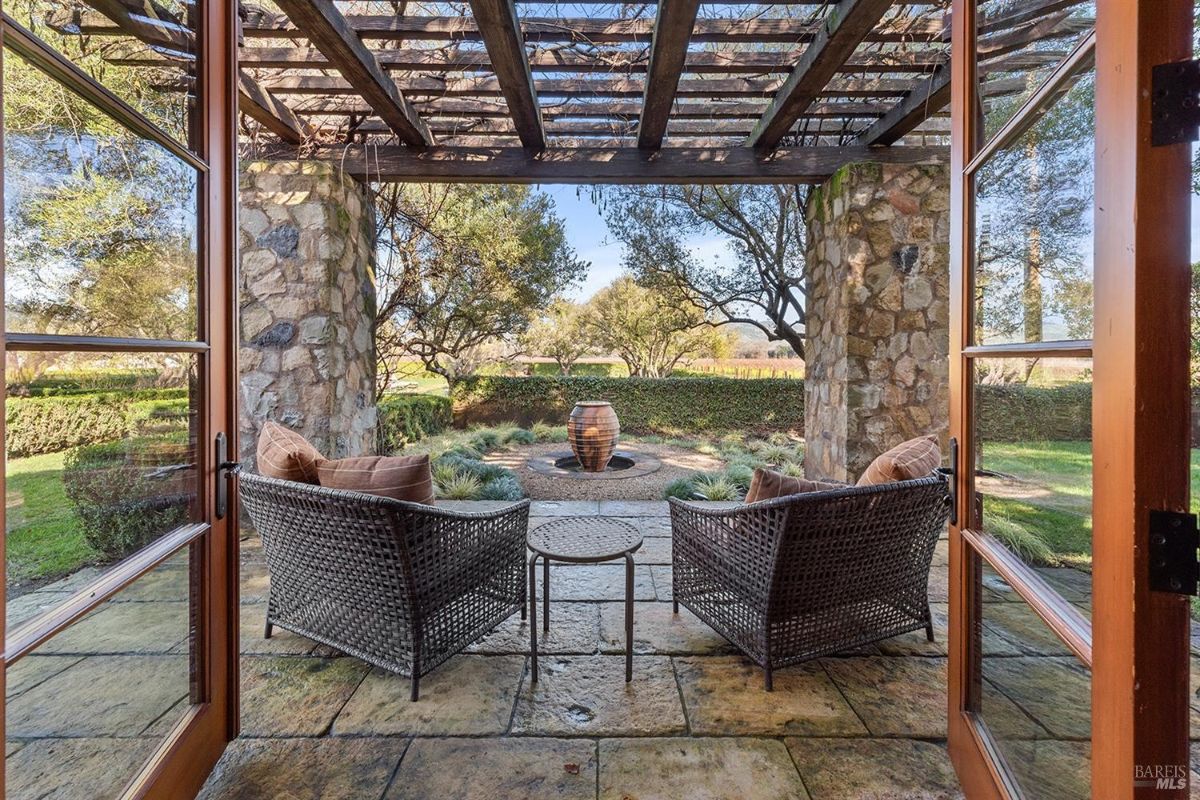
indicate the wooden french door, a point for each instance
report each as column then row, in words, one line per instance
column 119, row 191
column 1069, row 662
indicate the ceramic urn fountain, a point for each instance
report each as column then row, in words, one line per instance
column 593, row 430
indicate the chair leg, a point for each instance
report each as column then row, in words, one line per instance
column 416, row 688
column 767, row 679
column 268, row 628
column 929, row 624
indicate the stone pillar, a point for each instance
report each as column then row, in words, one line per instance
column 877, row 328
column 307, row 299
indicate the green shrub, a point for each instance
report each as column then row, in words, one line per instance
column 1019, row 412
column 666, row 405
column 681, row 488
column 505, row 487
column 123, row 498
column 739, row 475
column 715, row 487
column 463, row 486
column 407, row 418
column 523, row 436
column 36, row 425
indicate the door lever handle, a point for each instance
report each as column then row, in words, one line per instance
column 226, row 470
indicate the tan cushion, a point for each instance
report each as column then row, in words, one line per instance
column 283, row 453
column 767, row 484
column 915, row 458
column 398, row 477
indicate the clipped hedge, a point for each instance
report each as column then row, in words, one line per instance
column 407, row 418
column 1015, row 412
column 644, row 405
column 35, row 425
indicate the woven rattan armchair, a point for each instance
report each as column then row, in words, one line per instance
column 789, row 579
column 402, row 586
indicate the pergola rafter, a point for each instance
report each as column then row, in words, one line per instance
column 680, row 80
column 343, row 50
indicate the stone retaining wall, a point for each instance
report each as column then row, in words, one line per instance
column 307, row 299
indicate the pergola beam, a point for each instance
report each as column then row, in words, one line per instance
column 608, row 165
column 733, row 88
column 668, row 52
column 342, row 49
column 497, row 21
column 260, row 105
column 580, row 29
column 716, row 62
column 624, row 109
column 910, row 112
column 846, row 25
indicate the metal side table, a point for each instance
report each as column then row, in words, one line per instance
column 580, row 540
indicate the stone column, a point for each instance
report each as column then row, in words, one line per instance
column 307, row 299
column 877, row 328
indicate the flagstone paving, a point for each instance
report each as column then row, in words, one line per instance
column 695, row 721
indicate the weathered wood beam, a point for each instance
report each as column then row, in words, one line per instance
column 668, row 52
column 260, row 105
column 707, row 61
column 578, row 29
column 607, row 108
column 733, row 88
column 342, row 49
column 608, row 165
column 499, row 126
column 845, row 27
column 501, row 31
column 910, row 112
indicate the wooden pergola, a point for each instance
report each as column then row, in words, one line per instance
column 681, row 90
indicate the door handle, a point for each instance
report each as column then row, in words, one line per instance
column 226, row 470
column 951, row 473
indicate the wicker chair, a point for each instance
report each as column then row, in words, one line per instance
column 789, row 579
column 402, row 586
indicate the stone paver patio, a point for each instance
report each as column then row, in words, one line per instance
column 694, row 723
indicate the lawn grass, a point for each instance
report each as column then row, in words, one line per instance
column 1053, row 523
column 44, row 540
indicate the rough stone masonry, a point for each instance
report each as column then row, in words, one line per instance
column 307, row 299
column 877, row 327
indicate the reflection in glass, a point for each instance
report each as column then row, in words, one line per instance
column 96, row 699
column 101, row 461
column 147, row 57
column 1033, row 423
column 1035, row 698
column 100, row 225
column 1018, row 48
column 1033, row 228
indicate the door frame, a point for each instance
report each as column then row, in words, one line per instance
column 1138, row 640
column 185, row 756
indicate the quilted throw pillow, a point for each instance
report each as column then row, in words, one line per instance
column 915, row 458
column 767, row 484
column 398, row 477
column 285, row 454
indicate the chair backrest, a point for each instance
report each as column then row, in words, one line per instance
column 329, row 550
column 860, row 544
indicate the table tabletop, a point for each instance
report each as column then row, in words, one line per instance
column 584, row 539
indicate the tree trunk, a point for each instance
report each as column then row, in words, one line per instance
column 794, row 338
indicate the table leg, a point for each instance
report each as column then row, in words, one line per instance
column 533, row 618
column 628, row 617
column 545, row 594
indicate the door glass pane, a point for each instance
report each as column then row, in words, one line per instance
column 1035, row 698
column 101, row 461
column 100, row 225
column 1033, row 423
column 88, row 707
column 147, row 57
column 1033, row 228
column 1019, row 47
